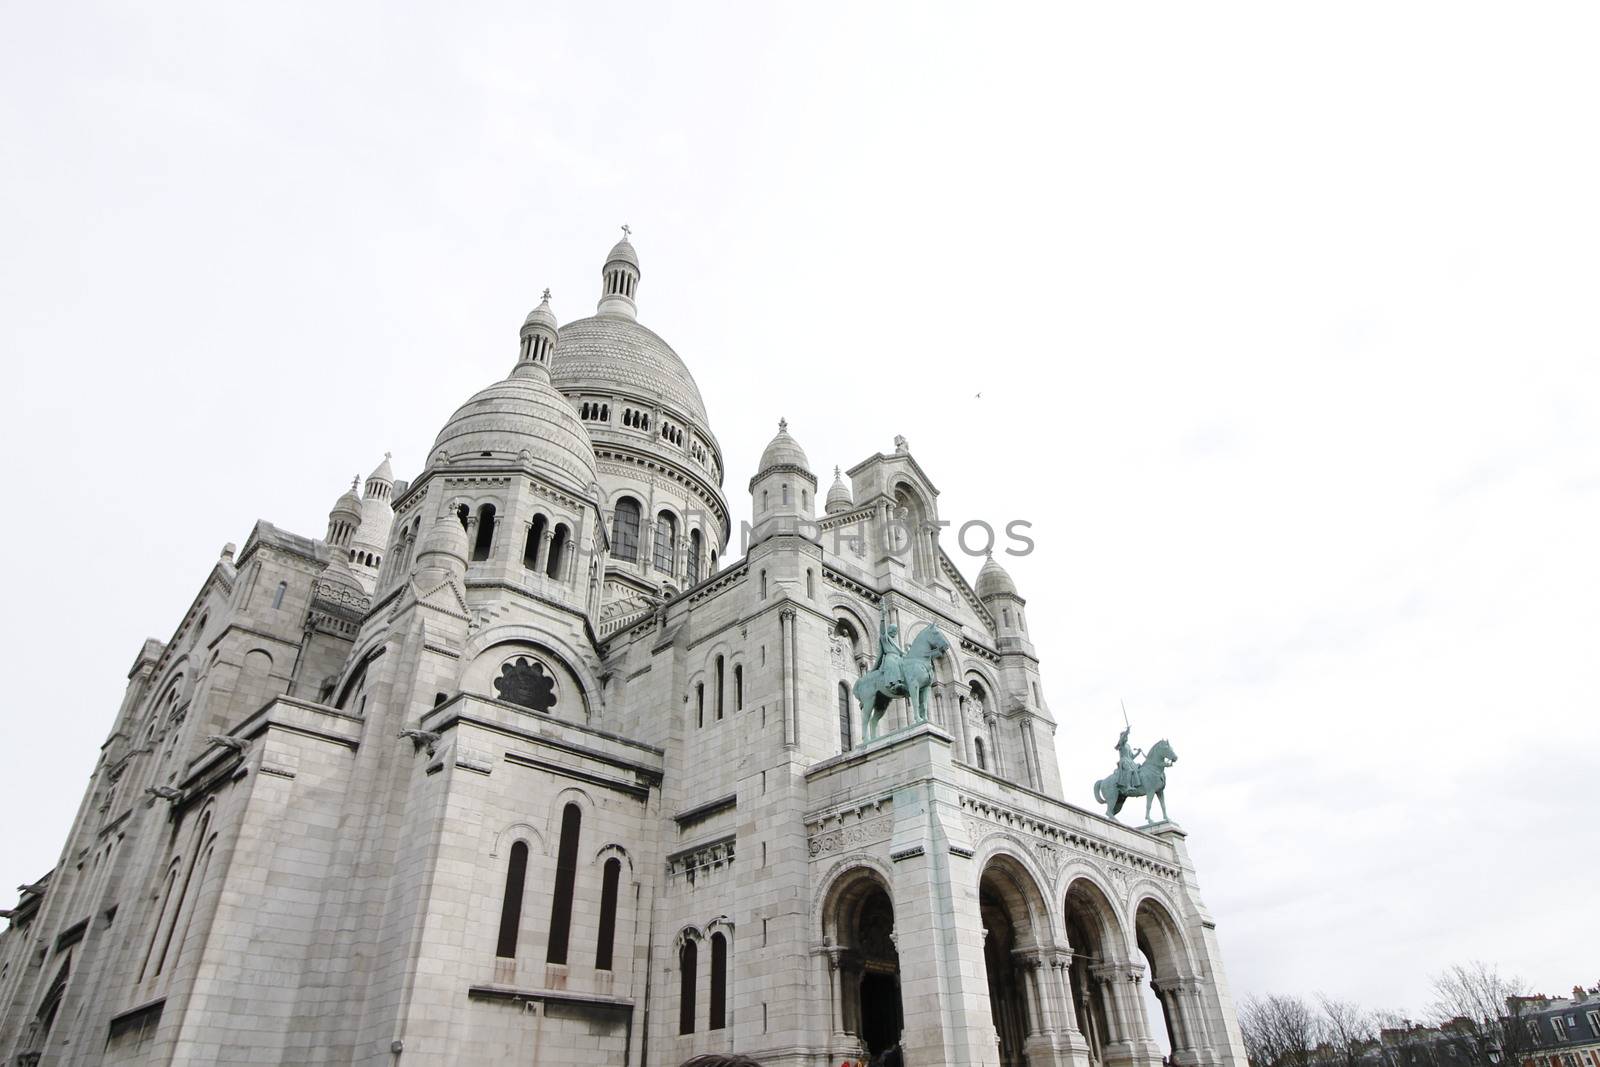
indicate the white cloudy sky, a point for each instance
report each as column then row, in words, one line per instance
column 1277, row 322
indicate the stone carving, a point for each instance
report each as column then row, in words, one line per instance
column 908, row 674
column 525, row 681
column 1131, row 779
column 848, row 837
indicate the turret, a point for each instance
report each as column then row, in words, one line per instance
column 783, row 491
column 443, row 554
column 999, row 594
column 619, row 280
column 839, row 498
column 345, row 518
column 377, row 515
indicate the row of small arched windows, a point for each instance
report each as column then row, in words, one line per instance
column 594, row 412
column 368, row 559
column 625, row 520
column 635, row 419
column 557, row 944
column 672, row 433
column 720, row 671
column 554, row 558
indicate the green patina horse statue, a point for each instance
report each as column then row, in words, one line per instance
column 909, row 676
column 1149, row 781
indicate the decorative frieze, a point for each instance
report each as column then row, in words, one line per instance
column 1052, row 843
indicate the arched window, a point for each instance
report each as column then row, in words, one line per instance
column 277, row 598
column 511, row 903
column 566, row 877
column 558, row 551
column 719, row 981
column 530, row 549
column 738, row 687
column 845, row 744
column 720, row 679
column 763, row 585
column 785, row 492
column 485, row 539
column 700, row 704
column 608, row 914
column 696, row 542
column 977, row 748
column 625, row 530
column 811, row 584
column 666, row 541
column 688, row 963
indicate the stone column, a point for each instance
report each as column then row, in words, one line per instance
column 541, row 555
column 786, row 624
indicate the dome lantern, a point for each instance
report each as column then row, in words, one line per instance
column 619, row 279
column 345, row 518
column 538, row 337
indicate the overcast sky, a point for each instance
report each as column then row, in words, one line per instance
column 1277, row 322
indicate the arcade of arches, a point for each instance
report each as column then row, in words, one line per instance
column 1064, row 979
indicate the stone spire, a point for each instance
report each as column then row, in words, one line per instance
column 619, row 279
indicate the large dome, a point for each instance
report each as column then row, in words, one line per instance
column 523, row 412
column 610, row 352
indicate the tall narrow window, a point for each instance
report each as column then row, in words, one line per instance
column 566, row 876
column 785, row 492
column 277, row 598
column 511, row 903
column 811, row 584
column 977, row 747
column 608, row 914
column 485, row 539
column 688, row 963
column 558, row 551
column 763, row 585
column 719, row 981
column 738, row 687
column 720, row 679
column 666, row 541
column 530, row 550
column 692, row 564
column 625, row 530
column 845, row 744
column 699, row 704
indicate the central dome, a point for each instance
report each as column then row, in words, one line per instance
column 610, row 352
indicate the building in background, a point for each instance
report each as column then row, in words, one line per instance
column 514, row 766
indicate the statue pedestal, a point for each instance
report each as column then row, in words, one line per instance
column 1164, row 827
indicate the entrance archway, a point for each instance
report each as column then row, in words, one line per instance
column 864, row 964
column 1092, row 931
column 1015, row 931
column 1172, row 980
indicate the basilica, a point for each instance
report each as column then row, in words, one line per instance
column 530, row 760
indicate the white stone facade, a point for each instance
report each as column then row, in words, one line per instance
column 505, row 770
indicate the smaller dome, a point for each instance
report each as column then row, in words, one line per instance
column 541, row 315
column 623, row 251
column 783, row 451
column 839, row 498
column 993, row 581
column 383, row 472
column 523, row 413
